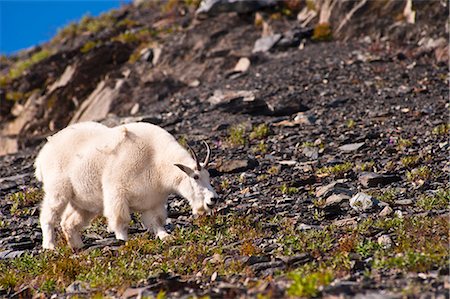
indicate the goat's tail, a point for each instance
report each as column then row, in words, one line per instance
column 38, row 170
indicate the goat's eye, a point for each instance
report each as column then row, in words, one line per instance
column 196, row 177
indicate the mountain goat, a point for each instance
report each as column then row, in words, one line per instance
column 88, row 169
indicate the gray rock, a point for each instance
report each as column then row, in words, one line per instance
column 351, row 147
column 333, row 188
column 362, row 202
column 335, row 200
column 266, row 265
column 311, row 152
column 10, row 254
column 255, row 259
column 403, row 202
column 266, row 43
column 372, row 179
column 346, row 222
column 215, row 7
column 234, row 166
column 386, row 211
column 77, row 287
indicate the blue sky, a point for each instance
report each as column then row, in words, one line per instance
column 24, row 23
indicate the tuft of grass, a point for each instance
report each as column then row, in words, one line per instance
column 367, row 248
column 306, row 284
column 23, row 199
column 338, row 170
column 442, row 129
column 438, row 200
column 182, row 140
column 410, row 161
column 88, row 46
column 322, row 32
column 225, row 184
column 261, row 147
column 274, row 170
column 367, row 166
column 350, row 123
column 403, row 143
column 288, row 190
column 421, row 173
column 236, row 135
column 22, row 65
column 14, row 95
column 260, row 131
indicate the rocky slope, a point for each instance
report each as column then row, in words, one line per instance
column 330, row 156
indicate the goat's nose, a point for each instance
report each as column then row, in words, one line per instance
column 213, row 202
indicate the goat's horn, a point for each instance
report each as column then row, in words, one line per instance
column 194, row 155
column 208, row 153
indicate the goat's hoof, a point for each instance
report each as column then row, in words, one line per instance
column 162, row 236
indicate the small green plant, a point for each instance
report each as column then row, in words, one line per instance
column 438, row 200
column 288, row 190
column 338, row 170
column 350, row 123
column 260, row 131
column 183, row 141
column 20, row 66
column 318, row 215
column 88, row 46
column 14, row 95
column 421, row 173
column 367, row 166
column 261, row 147
column 367, row 248
column 308, row 284
column 442, row 129
column 403, row 143
column 23, row 199
column 274, row 170
column 410, row 161
column 48, row 286
column 236, row 135
column 225, row 184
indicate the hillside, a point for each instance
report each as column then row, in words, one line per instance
column 307, row 105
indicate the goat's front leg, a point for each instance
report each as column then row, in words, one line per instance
column 155, row 219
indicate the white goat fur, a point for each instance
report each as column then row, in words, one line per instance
column 88, row 169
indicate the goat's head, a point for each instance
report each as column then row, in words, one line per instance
column 196, row 187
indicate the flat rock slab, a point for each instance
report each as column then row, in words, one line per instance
column 266, row 43
column 234, row 166
column 351, row 147
column 372, row 179
column 362, row 202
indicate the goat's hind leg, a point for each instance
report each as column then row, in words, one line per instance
column 116, row 211
column 155, row 219
column 55, row 200
column 72, row 222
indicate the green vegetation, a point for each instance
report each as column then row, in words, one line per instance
column 322, row 32
column 410, row 161
column 288, row 190
column 421, row 173
column 442, row 129
column 350, row 123
column 24, row 199
column 88, row 46
column 338, row 170
column 236, row 135
column 367, row 166
column 438, row 200
column 403, row 143
column 22, row 65
column 260, row 131
column 307, row 284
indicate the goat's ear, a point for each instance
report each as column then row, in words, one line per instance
column 186, row 169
